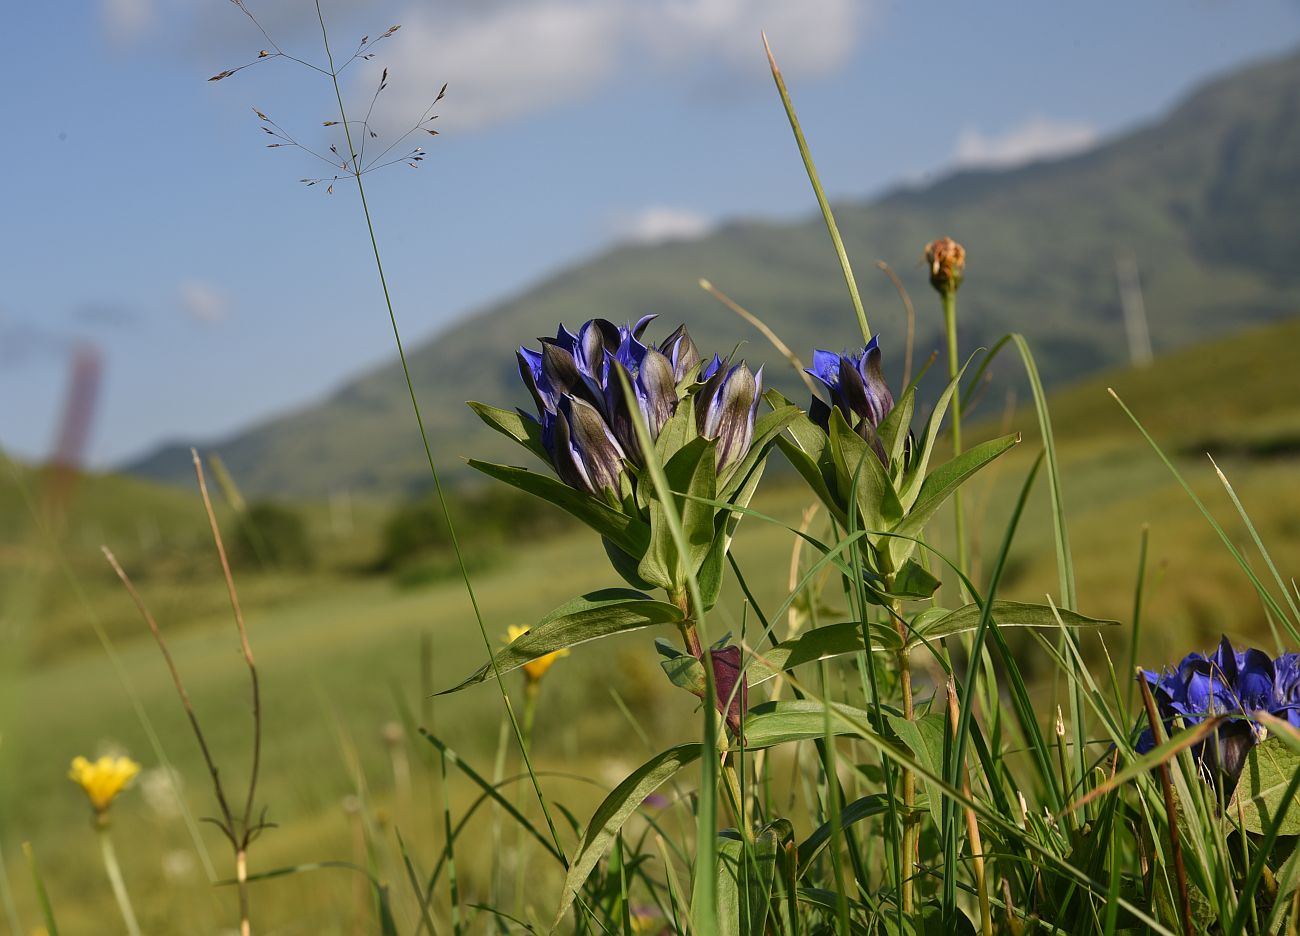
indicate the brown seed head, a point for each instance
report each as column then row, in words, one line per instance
column 947, row 262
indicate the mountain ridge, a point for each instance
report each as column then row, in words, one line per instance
column 1204, row 196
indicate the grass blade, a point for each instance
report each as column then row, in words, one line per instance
column 822, row 201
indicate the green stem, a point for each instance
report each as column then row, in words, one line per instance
column 424, row 436
column 910, row 828
column 530, row 709
column 115, row 878
column 954, row 366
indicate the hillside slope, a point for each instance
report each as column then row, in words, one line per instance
column 1206, row 198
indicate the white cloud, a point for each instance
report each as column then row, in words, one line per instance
column 513, row 58
column 659, row 223
column 203, row 303
column 503, row 61
column 1034, row 139
column 126, row 20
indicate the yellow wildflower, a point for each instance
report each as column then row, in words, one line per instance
column 103, row 779
column 535, row 669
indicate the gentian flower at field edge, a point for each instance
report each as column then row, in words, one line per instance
column 857, row 388
column 726, row 407
column 1231, row 683
column 586, row 424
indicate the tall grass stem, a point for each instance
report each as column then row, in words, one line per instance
column 115, row 878
column 822, row 201
column 424, row 436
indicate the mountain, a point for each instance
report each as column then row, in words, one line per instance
column 1206, row 199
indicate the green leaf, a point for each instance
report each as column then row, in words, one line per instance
column 691, row 471
column 818, row 477
column 745, row 878
column 513, row 424
column 774, row 723
column 924, row 737
column 864, row 808
column 710, row 573
column 625, row 565
column 676, row 432
column 616, row 809
column 856, row 462
column 1260, row 794
column 913, row 581
column 1005, row 614
column 822, row 643
column 939, row 486
column 915, row 473
column 631, row 534
column 894, row 428
column 588, row 617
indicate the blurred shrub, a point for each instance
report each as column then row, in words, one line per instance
column 415, row 542
column 272, row 535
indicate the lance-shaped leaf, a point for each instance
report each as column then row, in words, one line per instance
column 774, row 723
column 822, row 643
column 820, row 476
column 894, row 430
column 1005, row 614
column 857, row 465
column 939, row 486
column 746, row 873
column 769, row 724
column 616, row 809
column 924, row 737
column 915, row 473
column 628, row 533
column 1260, row 798
column 914, row 582
column 691, row 471
column 856, row 811
column 589, row 617
column 514, row 425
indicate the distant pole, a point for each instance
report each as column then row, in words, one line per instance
column 1135, row 313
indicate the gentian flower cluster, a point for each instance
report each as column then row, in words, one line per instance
column 856, row 386
column 586, row 421
column 1233, row 684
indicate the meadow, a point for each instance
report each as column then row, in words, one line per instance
column 341, row 654
column 924, row 679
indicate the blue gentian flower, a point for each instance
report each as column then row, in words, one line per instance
column 586, row 422
column 726, row 407
column 856, row 386
column 1230, row 683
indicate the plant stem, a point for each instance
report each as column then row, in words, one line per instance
column 241, row 880
column 690, row 635
column 115, row 878
column 1171, row 807
column 356, row 172
column 531, row 688
column 910, row 830
column 949, row 297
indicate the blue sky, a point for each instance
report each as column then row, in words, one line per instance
column 144, row 216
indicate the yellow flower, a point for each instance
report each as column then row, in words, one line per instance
column 534, row 669
column 103, row 779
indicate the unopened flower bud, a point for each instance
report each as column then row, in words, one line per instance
column 947, row 262
column 726, row 406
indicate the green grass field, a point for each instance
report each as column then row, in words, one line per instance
column 338, row 650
